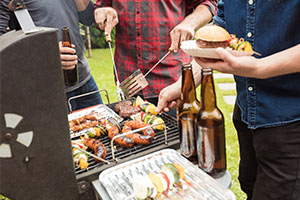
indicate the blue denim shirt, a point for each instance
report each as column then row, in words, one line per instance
column 270, row 26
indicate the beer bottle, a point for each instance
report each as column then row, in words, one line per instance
column 210, row 130
column 70, row 76
column 186, row 115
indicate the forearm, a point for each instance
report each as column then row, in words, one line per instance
column 284, row 62
column 196, row 72
column 199, row 17
column 81, row 4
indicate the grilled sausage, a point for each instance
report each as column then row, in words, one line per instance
column 97, row 146
column 122, row 141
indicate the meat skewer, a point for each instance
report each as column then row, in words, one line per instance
column 92, row 155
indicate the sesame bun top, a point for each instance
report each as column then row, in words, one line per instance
column 212, row 33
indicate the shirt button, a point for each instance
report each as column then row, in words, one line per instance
column 138, row 34
column 250, row 2
column 137, row 12
column 139, row 55
column 250, row 89
column 249, row 34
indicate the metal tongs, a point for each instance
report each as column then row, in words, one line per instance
column 120, row 94
column 137, row 81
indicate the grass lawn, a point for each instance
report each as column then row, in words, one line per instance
column 102, row 70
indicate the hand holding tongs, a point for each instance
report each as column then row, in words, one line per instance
column 120, row 93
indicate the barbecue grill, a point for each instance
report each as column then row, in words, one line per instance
column 35, row 141
column 121, row 154
column 35, row 148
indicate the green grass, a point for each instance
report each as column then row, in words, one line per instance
column 102, row 70
column 232, row 146
column 3, row 197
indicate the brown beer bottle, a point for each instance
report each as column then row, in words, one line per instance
column 186, row 115
column 70, row 76
column 210, row 130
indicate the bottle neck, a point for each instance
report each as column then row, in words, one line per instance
column 66, row 39
column 208, row 95
column 188, row 89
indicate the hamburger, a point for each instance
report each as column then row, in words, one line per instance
column 212, row 36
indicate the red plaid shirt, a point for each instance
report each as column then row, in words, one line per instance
column 143, row 37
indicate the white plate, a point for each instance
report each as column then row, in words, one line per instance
column 190, row 47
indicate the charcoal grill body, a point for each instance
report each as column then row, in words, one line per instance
column 35, row 148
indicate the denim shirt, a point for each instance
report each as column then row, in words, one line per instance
column 270, row 26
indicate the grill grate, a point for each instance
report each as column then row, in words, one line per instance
column 122, row 153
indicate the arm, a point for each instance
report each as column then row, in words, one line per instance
column 284, row 62
column 82, row 4
column 105, row 17
column 170, row 95
column 85, row 11
column 201, row 15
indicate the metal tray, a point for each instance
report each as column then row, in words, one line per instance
column 101, row 109
column 117, row 180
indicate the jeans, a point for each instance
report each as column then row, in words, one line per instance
column 86, row 101
column 269, row 160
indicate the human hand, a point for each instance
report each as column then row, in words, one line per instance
column 168, row 97
column 106, row 18
column 181, row 32
column 247, row 66
column 68, row 57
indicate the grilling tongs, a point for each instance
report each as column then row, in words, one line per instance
column 121, row 96
column 135, row 82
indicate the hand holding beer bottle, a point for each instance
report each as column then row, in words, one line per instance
column 186, row 115
column 68, row 59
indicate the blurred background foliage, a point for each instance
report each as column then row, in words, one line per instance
column 97, row 37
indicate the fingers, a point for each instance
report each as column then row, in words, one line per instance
column 167, row 97
column 225, row 55
column 68, row 57
column 112, row 21
column 106, row 19
column 162, row 103
column 179, row 34
column 68, row 61
column 100, row 18
column 175, row 38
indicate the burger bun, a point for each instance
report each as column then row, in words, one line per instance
column 211, row 36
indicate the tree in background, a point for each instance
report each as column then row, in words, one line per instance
column 97, row 37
